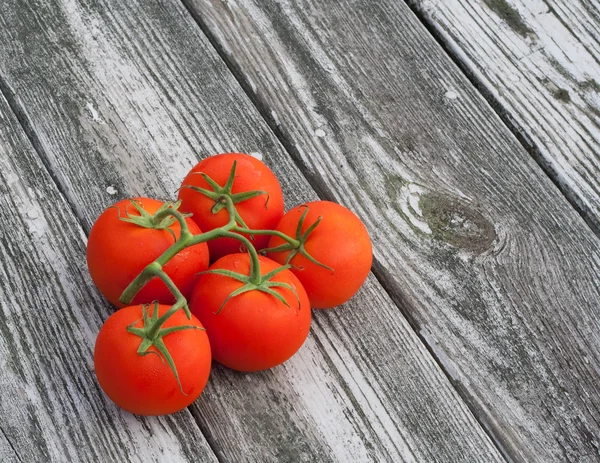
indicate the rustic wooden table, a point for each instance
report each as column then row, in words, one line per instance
column 465, row 133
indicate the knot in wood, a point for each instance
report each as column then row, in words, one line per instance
column 456, row 222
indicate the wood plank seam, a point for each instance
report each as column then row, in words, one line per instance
column 258, row 20
column 36, row 110
column 518, row 131
column 10, row 444
column 10, row 97
column 272, row 122
column 31, row 135
column 460, row 389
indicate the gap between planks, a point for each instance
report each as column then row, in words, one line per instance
column 10, row 98
column 459, row 401
column 11, row 448
column 31, row 135
column 518, row 131
column 289, row 147
column 273, row 117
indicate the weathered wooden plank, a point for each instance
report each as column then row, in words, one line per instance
column 497, row 271
column 120, row 97
column 538, row 61
column 7, row 453
column 51, row 407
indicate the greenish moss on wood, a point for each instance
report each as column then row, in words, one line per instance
column 457, row 223
column 590, row 84
column 393, row 186
column 560, row 68
column 562, row 95
column 509, row 15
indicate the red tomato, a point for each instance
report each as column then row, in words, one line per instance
column 254, row 330
column 340, row 241
column 257, row 213
column 118, row 251
column 144, row 384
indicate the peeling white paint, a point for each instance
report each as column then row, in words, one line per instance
column 93, row 113
column 451, row 95
column 257, row 155
column 320, row 133
column 251, row 83
column 409, row 198
column 544, row 80
column 111, row 190
column 414, row 198
column 275, row 118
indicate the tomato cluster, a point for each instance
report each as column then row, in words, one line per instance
column 250, row 272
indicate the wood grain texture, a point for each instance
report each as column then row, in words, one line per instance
column 51, row 406
column 122, row 98
column 496, row 270
column 539, row 63
column 7, row 453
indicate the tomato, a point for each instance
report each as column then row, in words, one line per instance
column 257, row 212
column 253, row 330
column 340, row 241
column 118, row 251
column 144, row 384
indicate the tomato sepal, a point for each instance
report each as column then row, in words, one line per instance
column 152, row 334
column 255, row 282
column 160, row 220
column 296, row 246
column 226, row 190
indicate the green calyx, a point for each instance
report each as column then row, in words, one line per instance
column 251, row 283
column 152, row 334
column 219, row 191
column 296, row 246
column 162, row 219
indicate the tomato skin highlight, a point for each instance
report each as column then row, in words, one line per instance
column 257, row 213
column 118, row 251
column 253, row 331
column 340, row 241
column 145, row 385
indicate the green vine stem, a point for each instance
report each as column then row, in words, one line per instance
column 152, row 333
column 276, row 233
column 186, row 239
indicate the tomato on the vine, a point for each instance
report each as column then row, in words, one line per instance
column 260, row 212
column 253, row 330
column 118, row 250
column 340, row 241
column 145, row 384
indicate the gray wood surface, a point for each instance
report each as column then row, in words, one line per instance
column 538, row 61
column 51, row 407
column 495, row 269
column 121, row 98
column 7, row 453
